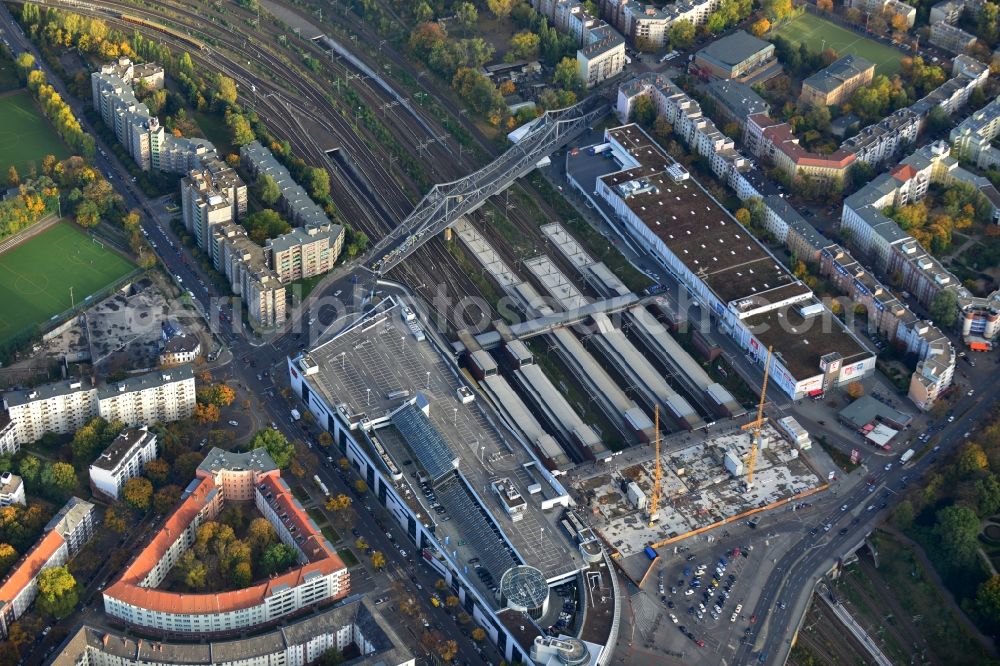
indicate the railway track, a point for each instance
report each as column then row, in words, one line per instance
column 279, row 104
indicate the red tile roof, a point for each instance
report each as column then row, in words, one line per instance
column 323, row 559
column 784, row 139
column 30, row 565
column 903, row 172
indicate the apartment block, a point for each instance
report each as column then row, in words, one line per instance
column 647, row 25
column 11, row 490
column 132, row 73
column 973, row 139
column 140, row 133
column 295, row 201
column 321, row 576
column 834, row 84
column 305, row 252
column 735, row 101
column 124, row 459
column 63, row 407
column 356, row 622
column 776, row 142
column 896, row 252
column 63, row 538
column 9, row 444
column 245, row 265
column 602, row 58
column 211, row 195
column 951, row 38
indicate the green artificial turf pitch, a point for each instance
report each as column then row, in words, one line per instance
column 36, row 276
column 813, row 30
column 25, row 135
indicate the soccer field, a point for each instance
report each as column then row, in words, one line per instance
column 25, row 135
column 36, row 276
column 813, row 31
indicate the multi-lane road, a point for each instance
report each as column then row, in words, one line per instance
column 798, row 570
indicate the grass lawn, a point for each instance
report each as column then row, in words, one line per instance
column 36, row 276
column 814, row 30
column 347, row 555
column 213, row 126
column 25, row 135
column 330, row 534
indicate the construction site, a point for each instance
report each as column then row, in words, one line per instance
column 702, row 486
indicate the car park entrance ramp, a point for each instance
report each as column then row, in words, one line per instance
column 427, row 444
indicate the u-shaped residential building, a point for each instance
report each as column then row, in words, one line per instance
column 222, row 476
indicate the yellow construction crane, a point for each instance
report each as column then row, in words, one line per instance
column 654, row 504
column 757, row 425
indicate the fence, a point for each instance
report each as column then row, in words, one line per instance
column 11, row 242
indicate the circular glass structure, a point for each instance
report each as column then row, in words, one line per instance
column 524, row 589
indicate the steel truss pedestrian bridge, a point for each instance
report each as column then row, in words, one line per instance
column 447, row 202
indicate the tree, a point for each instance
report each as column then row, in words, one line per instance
column 567, row 75
column 360, row 486
column 58, row 593
column 338, row 502
column 166, row 498
column 466, row 14
column 240, row 131
column 260, row 535
column 827, row 6
column 58, row 479
column 12, row 178
column 500, row 8
column 778, row 9
column 988, row 600
column 157, row 471
column 447, row 649
column 267, row 190
column 451, row 601
column 115, row 518
column 743, row 216
column 855, row 390
column 944, row 308
column 138, row 493
column 225, row 89
column 276, row 445
column 205, row 414
column 681, row 34
column 378, row 560
column 956, row 528
column 343, row 463
column 318, row 181
column 361, row 543
column 325, row 439
column 7, row 557
column 220, row 395
column 760, row 28
column 644, row 111
column 903, row 514
column 25, row 63
column 29, row 468
column 440, row 585
column 525, row 45
column 185, row 464
column 263, row 225
column 277, row 557
column 478, row 634
column 330, row 657
column 971, row 459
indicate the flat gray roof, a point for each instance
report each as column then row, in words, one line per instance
column 122, row 444
column 735, row 48
column 218, row 459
